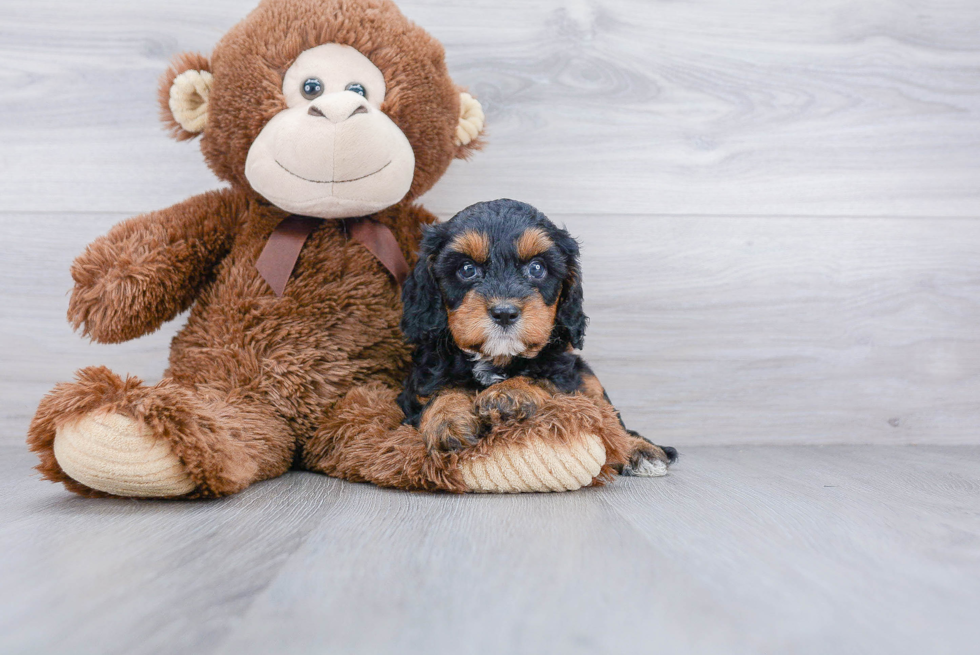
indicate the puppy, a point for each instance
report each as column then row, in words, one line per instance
column 494, row 311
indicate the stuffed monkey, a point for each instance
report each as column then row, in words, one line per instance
column 327, row 119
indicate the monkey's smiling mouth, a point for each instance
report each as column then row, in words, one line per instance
column 354, row 179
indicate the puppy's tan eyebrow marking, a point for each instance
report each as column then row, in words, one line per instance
column 533, row 242
column 473, row 244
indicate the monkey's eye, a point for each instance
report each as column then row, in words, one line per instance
column 357, row 88
column 536, row 270
column 468, row 271
column 312, row 88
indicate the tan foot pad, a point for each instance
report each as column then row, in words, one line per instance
column 120, row 456
column 536, row 466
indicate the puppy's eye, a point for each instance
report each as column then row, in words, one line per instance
column 536, row 270
column 468, row 271
column 312, row 88
column 357, row 88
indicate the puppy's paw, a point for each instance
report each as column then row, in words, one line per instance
column 515, row 399
column 451, row 431
column 641, row 466
column 648, row 460
column 499, row 405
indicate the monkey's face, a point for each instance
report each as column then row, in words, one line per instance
column 327, row 108
column 332, row 153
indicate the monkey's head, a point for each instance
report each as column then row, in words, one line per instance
column 326, row 108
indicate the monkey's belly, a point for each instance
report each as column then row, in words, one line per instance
column 300, row 353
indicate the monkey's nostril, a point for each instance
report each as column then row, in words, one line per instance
column 334, row 113
column 504, row 314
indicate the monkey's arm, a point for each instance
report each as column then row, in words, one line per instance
column 150, row 268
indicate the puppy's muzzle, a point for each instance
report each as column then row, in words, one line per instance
column 504, row 314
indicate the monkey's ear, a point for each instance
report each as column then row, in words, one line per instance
column 423, row 307
column 184, row 92
column 470, row 126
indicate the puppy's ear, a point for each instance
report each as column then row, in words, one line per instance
column 570, row 319
column 423, row 308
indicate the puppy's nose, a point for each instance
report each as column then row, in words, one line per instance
column 504, row 314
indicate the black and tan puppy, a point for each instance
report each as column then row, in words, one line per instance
column 494, row 310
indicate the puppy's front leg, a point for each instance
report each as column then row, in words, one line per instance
column 513, row 399
column 448, row 421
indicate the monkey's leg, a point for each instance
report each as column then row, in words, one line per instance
column 569, row 442
column 102, row 435
column 362, row 439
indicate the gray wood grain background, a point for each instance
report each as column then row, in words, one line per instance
column 778, row 202
column 779, row 205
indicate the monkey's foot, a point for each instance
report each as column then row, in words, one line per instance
column 536, row 465
column 118, row 455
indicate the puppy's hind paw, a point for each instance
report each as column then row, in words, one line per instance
column 648, row 460
column 645, row 468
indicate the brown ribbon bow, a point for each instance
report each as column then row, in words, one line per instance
column 278, row 258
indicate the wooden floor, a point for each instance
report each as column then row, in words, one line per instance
column 764, row 549
column 779, row 209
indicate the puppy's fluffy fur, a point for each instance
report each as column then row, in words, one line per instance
column 494, row 311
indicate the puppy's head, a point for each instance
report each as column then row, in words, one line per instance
column 498, row 279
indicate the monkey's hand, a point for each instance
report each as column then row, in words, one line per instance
column 150, row 268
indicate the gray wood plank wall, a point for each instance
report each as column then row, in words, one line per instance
column 778, row 202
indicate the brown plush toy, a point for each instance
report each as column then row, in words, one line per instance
column 327, row 118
